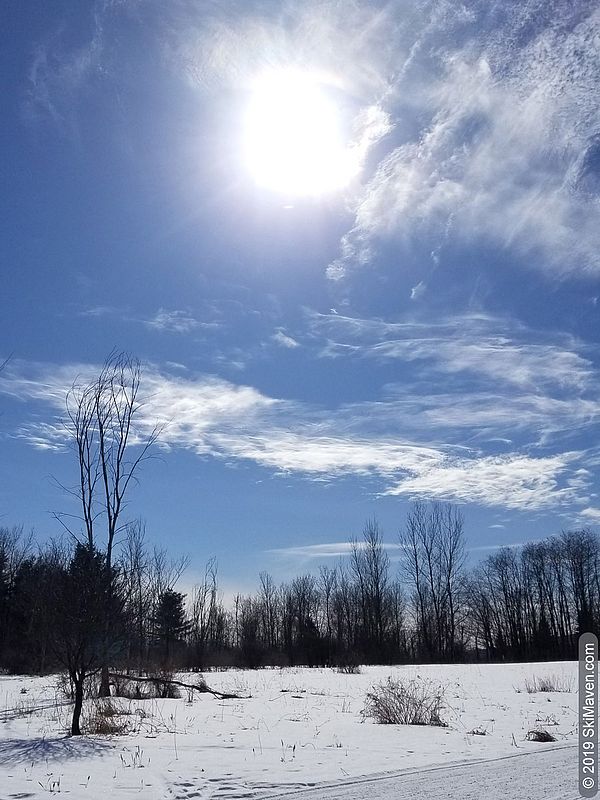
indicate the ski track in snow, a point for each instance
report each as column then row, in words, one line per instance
column 549, row 774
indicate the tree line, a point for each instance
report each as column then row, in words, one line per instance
column 523, row 603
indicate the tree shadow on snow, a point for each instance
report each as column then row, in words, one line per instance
column 19, row 751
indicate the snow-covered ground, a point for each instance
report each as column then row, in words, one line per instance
column 297, row 728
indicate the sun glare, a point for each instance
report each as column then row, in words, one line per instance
column 293, row 138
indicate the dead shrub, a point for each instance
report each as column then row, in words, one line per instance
column 348, row 664
column 540, row 735
column 548, row 683
column 350, row 669
column 163, row 687
column 479, row 731
column 413, row 702
column 105, row 718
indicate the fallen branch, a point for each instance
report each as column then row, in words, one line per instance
column 202, row 688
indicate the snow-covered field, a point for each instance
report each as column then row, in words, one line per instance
column 298, row 727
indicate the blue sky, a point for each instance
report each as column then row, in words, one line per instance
column 427, row 330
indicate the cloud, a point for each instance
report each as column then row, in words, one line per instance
column 174, row 321
column 99, row 311
column 417, row 292
column 326, row 550
column 175, row 365
column 486, row 547
column 216, row 418
column 491, row 348
column 507, row 152
column 61, row 71
column 283, row 340
column 515, row 482
column 497, row 382
column 590, row 515
column 476, row 121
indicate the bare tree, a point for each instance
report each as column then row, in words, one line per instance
column 269, row 602
column 433, row 564
column 135, row 564
column 110, row 449
column 205, row 612
column 327, row 586
column 370, row 565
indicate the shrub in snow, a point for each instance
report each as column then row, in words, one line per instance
column 348, row 663
column 410, row 702
column 548, row 683
column 104, row 717
column 540, row 735
column 479, row 731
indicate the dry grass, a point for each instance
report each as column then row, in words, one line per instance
column 105, row 717
column 349, row 669
column 348, row 664
column 548, row 683
column 405, row 703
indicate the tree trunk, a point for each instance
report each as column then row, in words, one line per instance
column 104, row 690
column 78, row 681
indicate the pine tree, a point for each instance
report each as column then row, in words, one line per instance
column 170, row 624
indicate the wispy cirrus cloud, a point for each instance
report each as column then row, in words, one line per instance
column 176, row 321
column 99, row 311
column 60, row 71
column 477, row 121
column 342, row 549
column 508, row 153
column 476, row 376
column 281, row 338
column 216, row 418
column 488, row 347
column 328, row 549
column 516, row 482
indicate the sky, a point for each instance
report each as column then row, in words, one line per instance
column 356, row 247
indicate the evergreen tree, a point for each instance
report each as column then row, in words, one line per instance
column 85, row 590
column 170, row 624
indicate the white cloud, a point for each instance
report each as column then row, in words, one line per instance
column 174, row 321
column 98, row 311
column 417, row 292
column 325, row 550
column 504, row 156
column 176, row 366
column 490, row 115
column 284, row 340
column 493, row 348
column 217, row 418
column 590, row 514
column 514, row 481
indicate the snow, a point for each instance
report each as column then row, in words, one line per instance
column 298, row 728
column 543, row 775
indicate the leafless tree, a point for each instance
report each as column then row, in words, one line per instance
column 370, row 566
column 433, row 556
column 110, row 448
column 269, row 603
column 135, row 565
column 206, row 613
column 327, row 586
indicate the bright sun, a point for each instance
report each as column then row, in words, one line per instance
column 292, row 136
